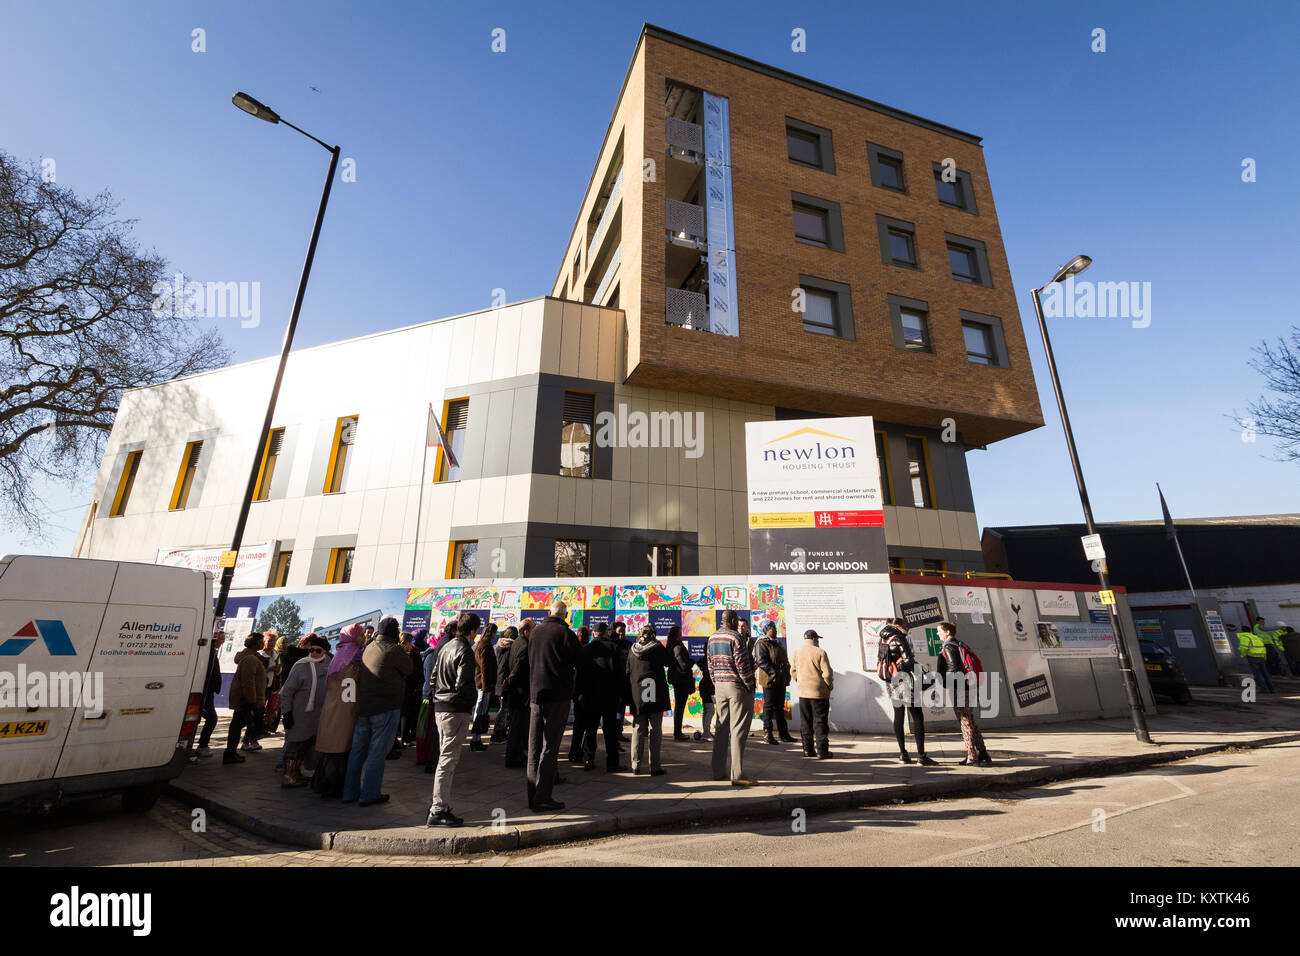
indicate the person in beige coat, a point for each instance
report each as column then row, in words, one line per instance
column 812, row 674
column 338, row 716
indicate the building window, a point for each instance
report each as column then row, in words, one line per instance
column 954, row 189
column 809, row 145
column 911, row 321
column 827, row 307
column 882, row 463
column 817, row 222
column 185, row 477
column 345, row 433
column 575, row 434
column 126, row 483
column 918, row 472
column 662, row 560
column 979, row 343
column 463, row 560
column 577, row 261
column 280, row 570
column 340, row 569
column 270, row 456
column 897, row 241
column 455, row 418
column 886, row 168
column 897, row 566
column 968, row 260
column 934, row 565
column 571, row 558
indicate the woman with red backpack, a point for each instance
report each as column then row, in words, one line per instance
column 956, row 657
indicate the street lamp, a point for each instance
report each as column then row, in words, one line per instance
column 262, row 112
column 1073, row 268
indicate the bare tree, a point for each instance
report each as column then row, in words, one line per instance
column 77, row 328
column 1278, row 414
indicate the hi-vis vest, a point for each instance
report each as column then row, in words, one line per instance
column 1251, row 644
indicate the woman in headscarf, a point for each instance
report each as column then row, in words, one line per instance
column 338, row 716
column 301, row 700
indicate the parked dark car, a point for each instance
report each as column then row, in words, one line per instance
column 1165, row 673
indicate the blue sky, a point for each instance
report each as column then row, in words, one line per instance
column 470, row 165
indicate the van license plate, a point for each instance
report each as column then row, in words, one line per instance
column 24, row 728
column 1154, row 667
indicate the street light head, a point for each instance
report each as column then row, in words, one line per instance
column 254, row 108
column 1072, row 268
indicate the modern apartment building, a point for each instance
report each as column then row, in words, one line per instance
column 751, row 245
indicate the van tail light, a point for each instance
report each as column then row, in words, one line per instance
column 192, row 711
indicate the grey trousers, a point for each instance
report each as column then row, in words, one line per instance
column 545, row 732
column 735, row 706
column 452, row 729
column 648, row 728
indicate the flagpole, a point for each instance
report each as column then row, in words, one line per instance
column 1173, row 533
column 419, row 508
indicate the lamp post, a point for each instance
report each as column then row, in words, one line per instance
column 254, row 108
column 1072, row 268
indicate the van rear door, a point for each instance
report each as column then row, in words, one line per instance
column 51, row 611
column 148, row 652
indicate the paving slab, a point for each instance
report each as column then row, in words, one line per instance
column 865, row 771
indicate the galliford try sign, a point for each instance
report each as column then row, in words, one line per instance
column 814, row 497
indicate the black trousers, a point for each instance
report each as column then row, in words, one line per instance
column 209, row 716
column 774, row 709
column 241, row 719
column 917, row 720
column 607, row 718
column 814, row 724
column 681, row 693
column 575, row 742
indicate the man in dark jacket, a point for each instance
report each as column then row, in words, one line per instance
column 599, row 688
column 454, row 697
column 485, row 682
column 552, row 658
column 649, row 691
column 517, row 681
column 624, row 648
column 381, row 686
column 773, row 666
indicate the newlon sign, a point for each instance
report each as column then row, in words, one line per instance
column 814, row 497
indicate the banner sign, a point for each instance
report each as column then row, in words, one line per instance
column 968, row 600
column 1075, row 639
column 814, row 497
column 252, row 567
column 919, row 613
column 1057, row 604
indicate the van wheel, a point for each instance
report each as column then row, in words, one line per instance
column 140, row 799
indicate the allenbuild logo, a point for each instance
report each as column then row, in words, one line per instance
column 813, row 453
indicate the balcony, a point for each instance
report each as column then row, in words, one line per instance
column 686, row 225
column 611, row 206
column 690, row 310
column 685, row 140
column 608, row 277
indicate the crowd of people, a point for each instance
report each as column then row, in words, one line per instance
column 347, row 712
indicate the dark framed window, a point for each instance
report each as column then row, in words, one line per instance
column 270, row 458
column 185, row 478
column 572, row 558
column 897, row 242
column 817, row 222
column 809, row 145
column 897, row 566
column 918, row 472
column 911, row 322
column 345, row 436
column 954, row 189
column 934, row 565
column 828, row 309
column 882, row 462
column 125, row 483
column 463, row 560
column 340, row 569
column 886, row 168
column 985, row 343
column 280, row 570
column 661, row 559
column 575, row 434
column 455, row 419
column 968, row 259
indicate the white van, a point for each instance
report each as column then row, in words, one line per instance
column 101, row 677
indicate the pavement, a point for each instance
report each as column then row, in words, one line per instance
column 865, row 771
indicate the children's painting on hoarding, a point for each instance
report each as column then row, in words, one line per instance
column 633, row 597
column 665, row 595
